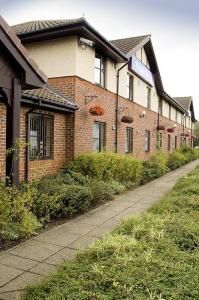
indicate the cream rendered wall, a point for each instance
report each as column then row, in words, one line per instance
column 55, row 57
column 85, row 62
column 111, row 76
column 179, row 117
column 165, row 109
column 173, row 113
column 154, row 100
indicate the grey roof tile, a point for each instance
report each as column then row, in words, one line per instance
column 126, row 45
column 185, row 102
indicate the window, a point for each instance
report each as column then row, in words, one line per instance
column 147, row 141
column 169, row 142
column 159, row 140
column 40, row 136
column 160, row 106
column 129, row 140
column 99, row 137
column 148, row 97
column 99, row 70
column 129, row 86
column 176, row 142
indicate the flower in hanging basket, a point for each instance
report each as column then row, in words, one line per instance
column 96, row 110
column 127, row 119
column 187, row 134
column 182, row 134
column 160, row 127
column 171, row 129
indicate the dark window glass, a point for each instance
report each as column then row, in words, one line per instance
column 99, row 137
column 147, row 141
column 40, row 136
column 129, row 86
column 159, row 140
column 176, row 142
column 169, row 142
column 129, row 140
column 148, row 97
column 99, row 70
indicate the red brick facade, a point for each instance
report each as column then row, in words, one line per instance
column 78, row 89
column 63, row 146
column 2, row 139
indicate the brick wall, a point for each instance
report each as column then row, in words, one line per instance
column 79, row 90
column 63, row 146
column 2, row 139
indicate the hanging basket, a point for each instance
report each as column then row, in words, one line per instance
column 96, row 110
column 182, row 134
column 187, row 135
column 127, row 119
column 160, row 127
column 170, row 130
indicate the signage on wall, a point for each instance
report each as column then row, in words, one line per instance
column 141, row 70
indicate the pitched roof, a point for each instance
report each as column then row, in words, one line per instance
column 126, row 45
column 185, row 102
column 49, row 94
column 42, row 25
column 21, row 49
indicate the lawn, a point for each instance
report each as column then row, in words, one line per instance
column 151, row 256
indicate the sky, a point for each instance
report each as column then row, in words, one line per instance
column 173, row 25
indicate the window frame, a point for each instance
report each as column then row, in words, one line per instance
column 160, row 108
column 130, row 86
column 129, row 142
column 169, row 142
column 102, row 141
column 159, row 140
column 147, row 140
column 100, row 69
column 41, row 137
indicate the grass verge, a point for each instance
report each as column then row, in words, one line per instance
column 151, row 256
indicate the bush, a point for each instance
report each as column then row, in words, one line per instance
column 16, row 219
column 155, row 167
column 108, row 167
column 101, row 191
column 189, row 153
column 175, row 160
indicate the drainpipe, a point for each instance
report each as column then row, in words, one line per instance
column 117, row 107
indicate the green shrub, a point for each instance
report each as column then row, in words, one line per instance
column 108, row 167
column 16, row 219
column 155, row 167
column 102, row 191
column 74, row 199
column 175, row 160
column 189, row 153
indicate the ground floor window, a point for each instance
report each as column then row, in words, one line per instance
column 159, row 140
column 147, row 141
column 99, row 136
column 176, row 142
column 40, row 136
column 169, row 142
column 129, row 140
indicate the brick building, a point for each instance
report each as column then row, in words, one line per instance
column 85, row 71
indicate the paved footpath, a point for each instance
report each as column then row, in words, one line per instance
column 28, row 262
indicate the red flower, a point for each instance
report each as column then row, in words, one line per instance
column 96, row 110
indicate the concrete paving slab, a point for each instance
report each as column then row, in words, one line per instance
column 82, row 242
column 77, row 228
column 43, row 269
column 20, row 282
column 7, row 274
column 62, row 255
column 17, row 262
column 58, row 236
column 107, row 227
column 35, row 250
column 91, row 219
column 11, row 295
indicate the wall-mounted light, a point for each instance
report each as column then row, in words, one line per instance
column 143, row 114
column 174, row 126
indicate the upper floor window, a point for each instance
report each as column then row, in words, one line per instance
column 129, row 86
column 129, row 140
column 160, row 107
column 147, row 141
column 176, row 116
column 40, row 136
column 148, row 104
column 99, row 70
column 99, row 136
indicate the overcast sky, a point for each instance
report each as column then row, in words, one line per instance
column 173, row 25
